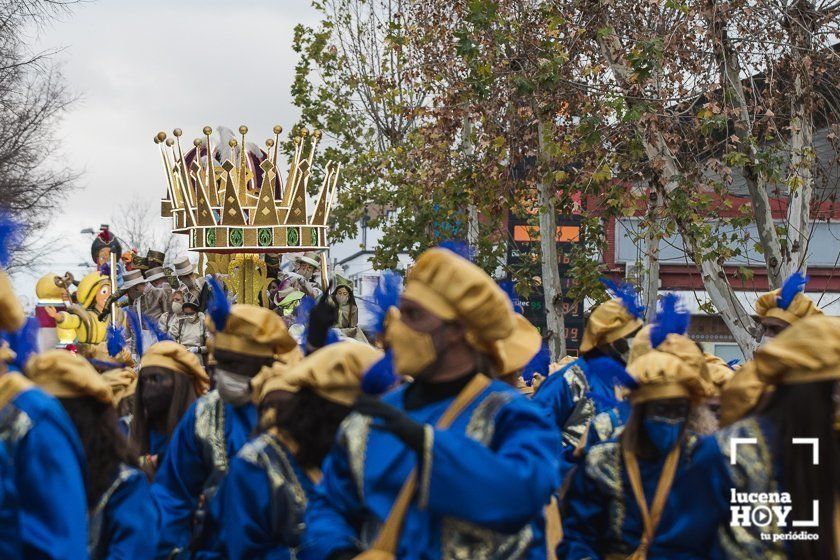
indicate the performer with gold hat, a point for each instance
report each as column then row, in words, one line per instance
column 454, row 464
column 42, row 459
column 641, row 495
column 776, row 310
column 171, row 379
column 122, row 518
column 803, row 364
column 571, row 396
column 262, row 501
column 217, row 425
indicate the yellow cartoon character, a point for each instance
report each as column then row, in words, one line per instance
column 51, row 291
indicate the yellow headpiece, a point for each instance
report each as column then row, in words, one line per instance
column 607, row 323
column 123, row 382
column 174, row 357
column 674, row 369
column 806, row 352
column 47, row 289
column 800, row 307
column 334, row 372
column 520, row 347
column 640, row 345
column 453, row 288
column 11, row 312
column 741, row 394
column 719, row 371
column 254, row 331
column 86, row 292
column 64, row 374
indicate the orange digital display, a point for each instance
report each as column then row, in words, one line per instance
column 565, row 234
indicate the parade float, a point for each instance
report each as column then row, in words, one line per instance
column 238, row 211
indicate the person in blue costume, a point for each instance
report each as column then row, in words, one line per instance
column 574, row 395
column 44, row 469
column 263, row 498
column 482, row 482
column 218, row 424
column 171, row 379
column 123, row 383
column 802, row 364
column 650, row 493
column 122, row 518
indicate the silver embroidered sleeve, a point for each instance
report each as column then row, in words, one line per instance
column 426, row 466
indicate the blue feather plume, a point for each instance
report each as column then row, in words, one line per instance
column 508, row 287
column 460, row 248
column 732, row 363
column 136, row 330
column 333, row 336
column 218, row 306
column 672, row 317
column 381, row 375
column 115, row 340
column 538, row 364
column 11, row 236
column 794, row 284
column 151, row 326
column 385, row 296
column 628, row 295
column 303, row 309
column 24, row 342
column 604, row 375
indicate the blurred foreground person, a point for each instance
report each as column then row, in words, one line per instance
column 641, row 495
column 122, row 518
column 453, row 465
column 803, row 364
column 171, row 379
column 263, row 498
column 41, row 461
column 218, row 424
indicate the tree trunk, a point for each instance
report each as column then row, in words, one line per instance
column 472, row 209
column 552, row 289
column 650, row 274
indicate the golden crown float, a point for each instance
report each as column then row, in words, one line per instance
column 231, row 201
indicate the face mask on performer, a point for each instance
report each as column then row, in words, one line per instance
column 418, row 338
column 664, row 422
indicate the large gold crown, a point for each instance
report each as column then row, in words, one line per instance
column 230, row 198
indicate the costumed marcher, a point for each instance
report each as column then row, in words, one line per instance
column 168, row 321
column 303, row 278
column 262, row 501
column 191, row 282
column 217, row 425
column 171, row 379
column 803, row 364
column 189, row 328
column 123, row 384
column 145, row 300
column 157, row 278
column 454, row 464
column 92, row 299
column 649, row 493
column 776, row 310
column 574, row 395
column 720, row 373
column 122, row 518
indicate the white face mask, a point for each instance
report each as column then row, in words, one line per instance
column 177, row 307
column 342, row 300
column 234, row 388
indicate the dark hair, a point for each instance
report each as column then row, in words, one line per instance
column 310, row 420
column 243, row 364
column 104, row 444
column 807, row 410
column 183, row 395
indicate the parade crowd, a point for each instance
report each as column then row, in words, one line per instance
column 175, row 423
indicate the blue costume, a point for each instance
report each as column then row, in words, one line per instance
column 209, row 434
column 261, row 502
column 601, row 516
column 481, row 489
column 124, row 524
column 48, row 466
column 10, row 545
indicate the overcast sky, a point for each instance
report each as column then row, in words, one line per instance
column 150, row 65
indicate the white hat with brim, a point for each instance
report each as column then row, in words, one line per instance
column 183, row 267
column 133, row 278
column 311, row 259
column 155, row 274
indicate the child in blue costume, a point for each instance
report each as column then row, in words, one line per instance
column 483, row 481
column 122, row 519
column 262, row 501
column 218, row 424
column 802, row 363
column 649, row 493
column 171, row 379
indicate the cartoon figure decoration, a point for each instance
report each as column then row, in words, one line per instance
column 102, row 247
column 53, row 291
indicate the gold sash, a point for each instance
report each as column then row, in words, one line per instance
column 385, row 546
